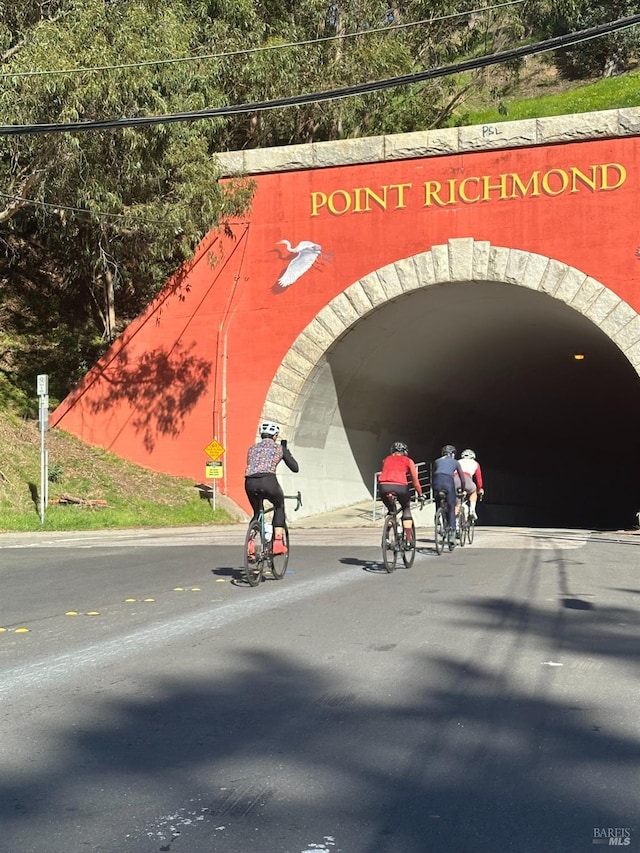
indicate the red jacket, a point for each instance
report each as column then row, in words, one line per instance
column 397, row 469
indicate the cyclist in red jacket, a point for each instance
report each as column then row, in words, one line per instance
column 397, row 469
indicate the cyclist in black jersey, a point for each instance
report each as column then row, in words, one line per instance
column 260, row 479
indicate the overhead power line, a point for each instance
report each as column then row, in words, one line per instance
column 260, row 49
column 547, row 45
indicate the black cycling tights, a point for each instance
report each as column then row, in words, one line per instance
column 445, row 483
column 266, row 486
column 404, row 497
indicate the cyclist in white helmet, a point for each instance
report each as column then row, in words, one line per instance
column 260, row 479
column 473, row 478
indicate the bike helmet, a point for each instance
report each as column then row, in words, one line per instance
column 268, row 429
column 467, row 454
column 448, row 450
column 399, row 447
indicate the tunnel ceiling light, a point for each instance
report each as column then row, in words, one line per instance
column 578, row 356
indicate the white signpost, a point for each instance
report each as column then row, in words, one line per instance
column 42, row 387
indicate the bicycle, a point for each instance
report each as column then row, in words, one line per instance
column 465, row 523
column 258, row 546
column 469, row 526
column 443, row 535
column 394, row 538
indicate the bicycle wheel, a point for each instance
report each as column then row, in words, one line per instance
column 278, row 562
column 451, row 538
column 460, row 533
column 463, row 523
column 409, row 550
column 440, row 530
column 389, row 544
column 253, row 566
column 471, row 526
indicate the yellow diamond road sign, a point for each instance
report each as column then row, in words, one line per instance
column 214, row 450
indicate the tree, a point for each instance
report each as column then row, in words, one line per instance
column 114, row 212
column 605, row 56
column 109, row 215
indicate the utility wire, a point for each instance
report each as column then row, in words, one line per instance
column 260, row 49
column 330, row 95
column 55, row 207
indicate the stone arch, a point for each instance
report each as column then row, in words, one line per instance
column 462, row 259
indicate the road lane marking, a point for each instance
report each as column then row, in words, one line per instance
column 57, row 668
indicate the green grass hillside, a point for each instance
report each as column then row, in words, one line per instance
column 540, row 91
column 97, row 489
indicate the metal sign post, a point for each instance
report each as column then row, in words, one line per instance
column 214, row 469
column 42, row 387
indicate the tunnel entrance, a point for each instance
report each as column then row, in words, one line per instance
column 491, row 366
column 487, row 365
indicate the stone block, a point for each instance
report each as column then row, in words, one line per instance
column 498, row 260
column 331, row 321
column 596, row 125
column 298, row 363
column 441, row 269
column 345, row 310
column 408, row 275
column 424, row 143
column 359, row 298
column 313, row 342
column 603, row 305
column 552, row 278
column 588, row 293
column 461, row 258
column 368, row 149
column 481, row 255
column 390, row 282
column 503, row 134
column 628, row 335
column 373, row 288
column 516, row 265
column 570, row 284
column 535, row 271
column 621, row 316
column 425, row 270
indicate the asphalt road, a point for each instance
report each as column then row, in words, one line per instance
column 483, row 700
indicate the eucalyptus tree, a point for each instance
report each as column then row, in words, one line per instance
column 106, row 216
column 110, row 213
column 610, row 54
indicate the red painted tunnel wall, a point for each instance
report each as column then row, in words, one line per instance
column 197, row 364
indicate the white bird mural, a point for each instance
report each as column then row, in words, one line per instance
column 306, row 254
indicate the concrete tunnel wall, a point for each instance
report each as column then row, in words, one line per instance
column 442, row 347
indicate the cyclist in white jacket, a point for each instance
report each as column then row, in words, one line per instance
column 473, row 479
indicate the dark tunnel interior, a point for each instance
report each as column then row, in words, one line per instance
column 492, row 366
